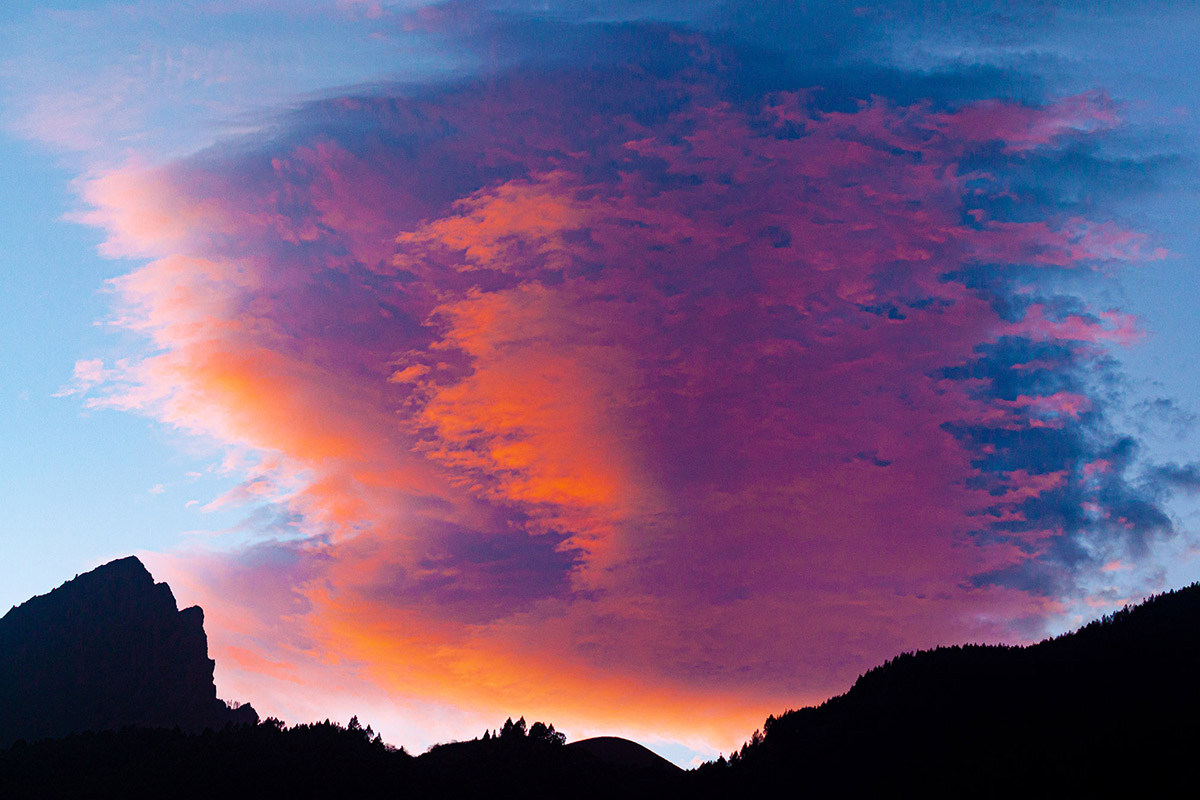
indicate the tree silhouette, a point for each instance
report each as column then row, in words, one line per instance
column 540, row 732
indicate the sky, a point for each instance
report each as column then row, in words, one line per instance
column 645, row 368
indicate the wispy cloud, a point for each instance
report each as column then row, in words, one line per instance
column 159, row 79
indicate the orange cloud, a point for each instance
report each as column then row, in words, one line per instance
column 658, row 420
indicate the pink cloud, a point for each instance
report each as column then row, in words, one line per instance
column 677, row 409
column 1021, row 127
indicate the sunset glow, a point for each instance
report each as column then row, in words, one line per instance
column 648, row 388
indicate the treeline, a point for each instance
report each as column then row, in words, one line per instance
column 263, row 760
column 324, row 759
column 1110, row 708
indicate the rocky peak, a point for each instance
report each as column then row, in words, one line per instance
column 107, row 649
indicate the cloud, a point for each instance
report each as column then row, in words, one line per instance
column 1176, row 476
column 665, row 382
column 107, row 80
column 87, row 374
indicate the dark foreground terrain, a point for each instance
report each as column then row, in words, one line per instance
column 1111, row 710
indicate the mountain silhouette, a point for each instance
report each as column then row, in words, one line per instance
column 105, row 650
column 622, row 752
column 535, row 762
column 1109, row 710
column 1112, row 707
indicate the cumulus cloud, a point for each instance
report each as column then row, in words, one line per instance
column 664, row 369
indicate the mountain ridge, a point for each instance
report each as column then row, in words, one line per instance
column 106, row 649
column 1110, row 707
column 625, row 752
column 1021, row 714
